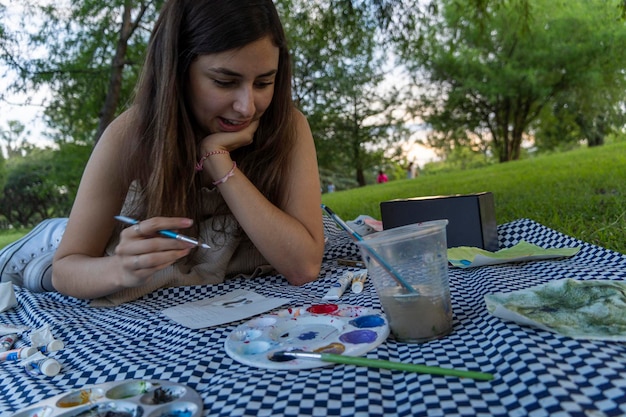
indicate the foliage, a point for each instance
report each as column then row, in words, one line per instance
column 89, row 55
column 67, row 165
column 2, row 172
column 338, row 71
column 38, row 183
column 14, row 140
column 581, row 193
column 30, row 193
column 485, row 80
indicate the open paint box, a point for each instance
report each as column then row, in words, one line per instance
column 320, row 328
column 129, row 398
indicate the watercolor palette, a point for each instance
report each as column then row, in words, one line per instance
column 322, row 328
column 129, row 398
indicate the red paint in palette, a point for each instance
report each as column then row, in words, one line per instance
column 323, row 308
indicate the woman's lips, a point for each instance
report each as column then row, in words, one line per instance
column 227, row 125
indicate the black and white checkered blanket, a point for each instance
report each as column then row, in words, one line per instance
column 537, row 373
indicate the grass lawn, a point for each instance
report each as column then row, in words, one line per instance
column 581, row 193
column 8, row 236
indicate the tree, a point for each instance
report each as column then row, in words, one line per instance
column 338, row 73
column 486, row 74
column 13, row 140
column 89, row 53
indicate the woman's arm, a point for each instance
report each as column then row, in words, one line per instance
column 291, row 237
column 80, row 267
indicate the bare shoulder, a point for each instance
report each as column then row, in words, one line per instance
column 108, row 155
column 304, row 137
column 121, row 128
column 300, row 119
column 304, row 147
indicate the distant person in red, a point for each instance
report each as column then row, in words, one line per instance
column 382, row 177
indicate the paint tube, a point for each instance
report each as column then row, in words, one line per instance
column 53, row 346
column 338, row 287
column 358, row 281
column 7, row 342
column 17, row 354
column 45, row 366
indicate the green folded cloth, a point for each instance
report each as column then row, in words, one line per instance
column 589, row 309
column 466, row 256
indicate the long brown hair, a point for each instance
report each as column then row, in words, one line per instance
column 162, row 156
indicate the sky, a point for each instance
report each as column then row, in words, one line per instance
column 31, row 116
column 14, row 106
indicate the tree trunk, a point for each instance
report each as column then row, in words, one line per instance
column 107, row 113
column 360, row 177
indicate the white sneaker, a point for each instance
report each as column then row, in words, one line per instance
column 41, row 242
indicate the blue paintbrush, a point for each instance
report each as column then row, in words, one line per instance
column 167, row 233
column 372, row 253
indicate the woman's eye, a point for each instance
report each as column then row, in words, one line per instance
column 223, row 83
column 264, row 84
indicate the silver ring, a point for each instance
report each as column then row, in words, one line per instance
column 136, row 262
column 137, row 228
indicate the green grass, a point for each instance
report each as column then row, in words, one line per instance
column 581, row 193
column 8, row 236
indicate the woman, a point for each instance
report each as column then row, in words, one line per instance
column 212, row 147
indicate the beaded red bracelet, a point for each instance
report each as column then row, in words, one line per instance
column 227, row 176
column 199, row 165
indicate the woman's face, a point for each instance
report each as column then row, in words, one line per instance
column 229, row 90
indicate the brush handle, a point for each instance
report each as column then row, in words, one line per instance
column 369, row 250
column 400, row 366
column 394, row 274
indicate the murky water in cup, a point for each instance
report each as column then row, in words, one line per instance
column 418, row 253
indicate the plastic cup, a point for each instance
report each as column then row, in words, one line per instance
column 417, row 304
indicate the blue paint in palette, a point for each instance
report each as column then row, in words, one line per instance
column 365, row 322
column 356, row 337
column 178, row 413
column 327, row 328
column 308, row 336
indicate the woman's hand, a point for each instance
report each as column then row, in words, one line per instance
column 230, row 141
column 143, row 251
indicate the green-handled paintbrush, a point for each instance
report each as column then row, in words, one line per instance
column 283, row 356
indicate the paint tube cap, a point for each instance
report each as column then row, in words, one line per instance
column 357, row 287
column 55, row 345
column 49, row 367
column 28, row 351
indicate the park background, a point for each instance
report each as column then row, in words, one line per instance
column 524, row 98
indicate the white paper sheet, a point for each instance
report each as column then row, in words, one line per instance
column 234, row 306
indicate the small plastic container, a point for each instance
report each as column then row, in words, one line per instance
column 409, row 268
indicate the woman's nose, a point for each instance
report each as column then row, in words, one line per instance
column 244, row 102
